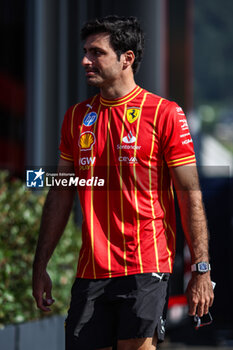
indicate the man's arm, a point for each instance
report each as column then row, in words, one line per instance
column 55, row 214
column 199, row 291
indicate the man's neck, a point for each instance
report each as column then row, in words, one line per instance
column 112, row 92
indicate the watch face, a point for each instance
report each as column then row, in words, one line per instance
column 203, row 267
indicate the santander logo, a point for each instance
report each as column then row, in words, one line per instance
column 129, row 138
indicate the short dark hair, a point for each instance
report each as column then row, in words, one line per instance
column 125, row 34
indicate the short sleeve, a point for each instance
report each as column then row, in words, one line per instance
column 66, row 144
column 176, row 140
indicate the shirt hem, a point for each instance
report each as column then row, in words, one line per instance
column 118, row 274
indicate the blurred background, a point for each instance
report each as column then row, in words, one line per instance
column 188, row 58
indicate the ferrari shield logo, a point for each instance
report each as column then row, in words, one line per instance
column 133, row 114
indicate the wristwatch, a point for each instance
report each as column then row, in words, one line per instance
column 201, row 267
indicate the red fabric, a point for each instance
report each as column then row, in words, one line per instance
column 129, row 223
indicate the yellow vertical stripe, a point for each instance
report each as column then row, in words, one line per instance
column 86, row 264
column 80, row 260
column 121, row 194
column 135, row 187
column 172, row 198
column 108, row 207
column 164, row 220
column 72, row 120
column 150, row 190
column 92, row 207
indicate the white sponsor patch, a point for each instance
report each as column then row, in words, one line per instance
column 185, row 142
column 184, row 135
column 129, row 138
column 184, row 124
column 87, row 161
column 129, row 160
column 128, row 147
column 180, row 111
column 89, row 106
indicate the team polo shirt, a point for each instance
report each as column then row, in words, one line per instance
column 124, row 148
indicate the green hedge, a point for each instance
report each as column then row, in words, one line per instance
column 20, row 213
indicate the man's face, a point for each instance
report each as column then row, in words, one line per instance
column 100, row 61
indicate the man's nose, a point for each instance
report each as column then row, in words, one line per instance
column 86, row 61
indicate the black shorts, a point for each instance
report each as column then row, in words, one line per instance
column 105, row 310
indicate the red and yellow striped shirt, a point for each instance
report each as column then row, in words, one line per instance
column 129, row 223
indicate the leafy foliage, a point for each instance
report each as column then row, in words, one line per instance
column 20, row 213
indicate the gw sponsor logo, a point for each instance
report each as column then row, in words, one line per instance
column 86, row 140
column 86, row 162
column 128, row 160
column 90, row 119
column 133, row 114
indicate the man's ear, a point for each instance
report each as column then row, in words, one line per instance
column 128, row 59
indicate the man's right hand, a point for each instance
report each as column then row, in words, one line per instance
column 55, row 215
column 42, row 290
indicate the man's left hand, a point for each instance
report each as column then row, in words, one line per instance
column 199, row 294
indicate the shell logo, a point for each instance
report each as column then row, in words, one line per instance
column 86, row 141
